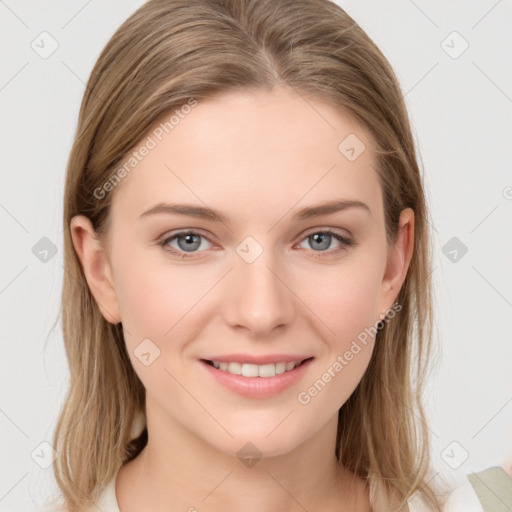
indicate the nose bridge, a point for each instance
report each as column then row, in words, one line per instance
column 258, row 299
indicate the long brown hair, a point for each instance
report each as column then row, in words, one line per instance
column 166, row 53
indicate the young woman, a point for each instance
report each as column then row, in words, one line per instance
column 247, row 298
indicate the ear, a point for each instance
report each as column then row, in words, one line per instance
column 399, row 258
column 96, row 267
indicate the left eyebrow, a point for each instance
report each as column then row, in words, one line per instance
column 187, row 209
column 328, row 208
column 308, row 212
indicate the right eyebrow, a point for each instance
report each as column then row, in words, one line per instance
column 187, row 209
column 210, row 214
column 328, row 208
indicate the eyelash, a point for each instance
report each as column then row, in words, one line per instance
column 344, row 240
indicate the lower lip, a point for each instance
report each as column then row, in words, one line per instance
column 258, row 387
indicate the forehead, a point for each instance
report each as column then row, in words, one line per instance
column 259, row 152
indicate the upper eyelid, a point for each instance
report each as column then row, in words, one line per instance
column 308, row 232
column 339, row 231
column 197, row 231
column 184, row 232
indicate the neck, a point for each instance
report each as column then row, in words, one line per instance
column 178, row 469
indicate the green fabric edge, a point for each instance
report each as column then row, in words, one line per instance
column 494, row 489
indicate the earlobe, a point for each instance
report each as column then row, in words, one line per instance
column 399, row 258
column 96, row 267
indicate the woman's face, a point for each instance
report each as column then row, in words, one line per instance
column 266, row 283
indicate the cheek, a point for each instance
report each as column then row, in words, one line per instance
column 344, row 297
column 159, row 301
column 346, row 303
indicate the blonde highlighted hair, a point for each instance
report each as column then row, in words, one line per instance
column 166, row 53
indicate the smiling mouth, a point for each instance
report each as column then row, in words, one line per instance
column 256, row 370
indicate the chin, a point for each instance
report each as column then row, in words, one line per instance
column 250, row 450
column 251, row 439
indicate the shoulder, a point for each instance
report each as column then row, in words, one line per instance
column 463, row 499
column 489, row 489
column 460, row 498
column 107, row 502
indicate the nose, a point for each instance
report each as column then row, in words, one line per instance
column 258, row 299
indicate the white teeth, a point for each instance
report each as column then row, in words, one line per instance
column 280, row 368
column 255, row 370
column 267, row 370
column 250, row 370
column 235, row 368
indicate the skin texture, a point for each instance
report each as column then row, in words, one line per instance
column 258, row 158
column 507, row 466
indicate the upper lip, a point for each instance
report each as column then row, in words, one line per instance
column 259, row 359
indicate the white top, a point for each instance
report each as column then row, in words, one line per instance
column 107, row 502
column 462, row 499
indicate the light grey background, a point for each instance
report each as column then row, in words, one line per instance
column 461, row 111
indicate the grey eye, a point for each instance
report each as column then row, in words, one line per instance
column 320, row 241
column 191, row 242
